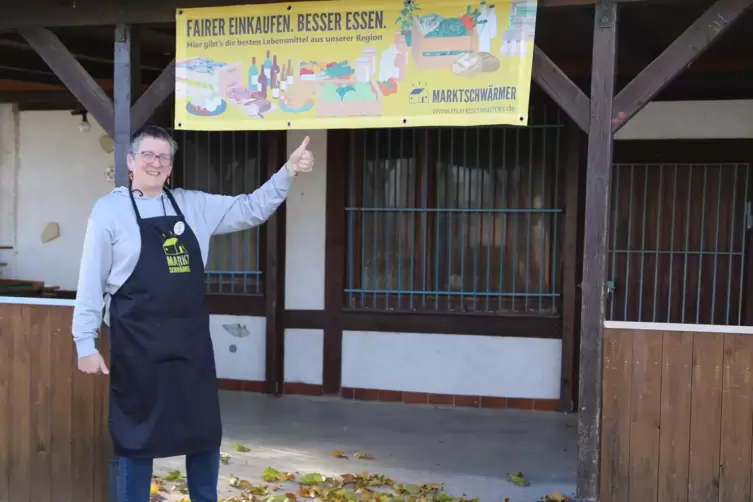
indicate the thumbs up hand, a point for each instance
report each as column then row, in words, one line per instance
column 301, row 160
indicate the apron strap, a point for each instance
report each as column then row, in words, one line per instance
column 175, row 204
column 133, row 201
column 178, row 212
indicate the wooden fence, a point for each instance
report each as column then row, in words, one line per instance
column 677, row 413
column 54, row 439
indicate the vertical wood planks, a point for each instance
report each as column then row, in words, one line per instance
column 678, row 417
column 674, row 437
column 615, row 459
column 737, row 419
column 40, row 348
column 62, row 396
column 706, row 416
column 6, row 405
column 20, row 395
column 54, row 442
column 645, row 415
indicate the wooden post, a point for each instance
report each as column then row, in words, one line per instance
column 598, row 176
column 570, row 248
column 274, row 277
column 122, row 101
column 334, row 261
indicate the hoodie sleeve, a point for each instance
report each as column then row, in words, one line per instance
column 224, row 214
column 96, row 262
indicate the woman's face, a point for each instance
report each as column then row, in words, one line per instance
column 152, row 163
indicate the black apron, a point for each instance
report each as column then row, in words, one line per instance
column 163, row 393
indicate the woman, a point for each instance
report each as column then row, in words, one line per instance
column 144, row 252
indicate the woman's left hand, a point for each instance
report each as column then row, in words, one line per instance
column 301, row 160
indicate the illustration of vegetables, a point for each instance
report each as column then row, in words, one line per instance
column 471, row 18
column 405, row 20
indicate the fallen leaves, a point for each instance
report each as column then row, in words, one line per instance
column 359, row 455
column 350, row 487
column 224, row 458
column 555, row 497
column 241, row 448
column 173, row 476
column 269, row 475
column 518, row 479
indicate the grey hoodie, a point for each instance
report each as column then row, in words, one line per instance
column 112, row 243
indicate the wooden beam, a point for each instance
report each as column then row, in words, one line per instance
column 15, row 16
column 680, row 53
column 570, row 247
column 161, row 89
column 274, row 277
column 122, row 102
column 593, row 285
column 72, row 74
column 560, row 88
column 334, row 258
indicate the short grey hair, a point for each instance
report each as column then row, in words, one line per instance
column 151, row 131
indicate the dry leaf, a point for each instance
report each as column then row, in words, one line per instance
column 241, row 448
column 363, row 456
column 339, row 454
column 555, row 497
column 518, row 479
column 173, row 476
column 312, row 479
column 224, row 458
column 181, row 487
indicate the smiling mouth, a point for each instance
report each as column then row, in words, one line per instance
column 154, row 173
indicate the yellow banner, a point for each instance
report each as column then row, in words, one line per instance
column 336, row 64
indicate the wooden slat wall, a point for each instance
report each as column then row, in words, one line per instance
column 54, row 439
column 677, row 417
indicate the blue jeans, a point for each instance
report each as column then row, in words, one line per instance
column 202, row 471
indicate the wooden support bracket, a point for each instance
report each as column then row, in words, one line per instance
column 72, row 74
column 560, row 88
column 161, row 89
column 669, row 64
column 86, row 90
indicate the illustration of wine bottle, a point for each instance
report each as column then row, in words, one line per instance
column 283, row 79
column 253, row 76
column 289, row 76
column 263, row 84
column 275, row 80
column 268, row 68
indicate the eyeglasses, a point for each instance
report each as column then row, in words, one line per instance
column 164, row 159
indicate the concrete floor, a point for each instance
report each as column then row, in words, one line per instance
column 467, row 450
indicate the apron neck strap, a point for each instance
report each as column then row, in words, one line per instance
column 174, row 204
column 167, row 192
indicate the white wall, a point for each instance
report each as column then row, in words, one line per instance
column 239, row 357
column 304, row 260
column 8, row 185
column 61, row 173
column 452, row 364
column 691, row 120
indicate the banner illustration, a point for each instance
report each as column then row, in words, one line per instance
column 337, row 64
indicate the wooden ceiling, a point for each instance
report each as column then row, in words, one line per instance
column 565, row 34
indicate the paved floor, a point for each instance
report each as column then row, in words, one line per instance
column 469, row 451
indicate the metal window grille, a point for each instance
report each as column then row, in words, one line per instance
column 454, row 219
column 226, row 163
column 677, row 243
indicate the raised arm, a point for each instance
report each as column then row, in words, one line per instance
column 226, row 214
